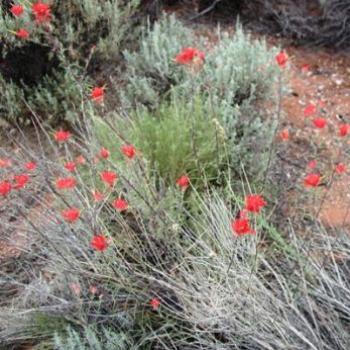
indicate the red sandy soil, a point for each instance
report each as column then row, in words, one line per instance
column 327, row 80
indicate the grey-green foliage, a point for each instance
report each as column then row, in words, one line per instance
column 105, row 24
column 81, row 31
column 152, row 71
column 56, row 98
column 90, row 339
column 238, row 68
column 236, row 74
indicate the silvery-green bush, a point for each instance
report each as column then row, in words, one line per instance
column 236, row 69
column 152, row 70
column 237, row 73
column 92, row 339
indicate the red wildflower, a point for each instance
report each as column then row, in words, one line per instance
column 30, row 166
column 284, row 135
column 312, row 180
column 344, row 129
column 340, row 168
column 254, row 203
column 320, row 123
column 71, row 215
column 16, row 10
column 155, row 303
column 282, row 59
column 109, row 177
column 22, row 34
column 99, row 242
column 5, row 163
column 70, row 166
column 20, row 181
column 312, row 164
column 5, row 188
column 128, row 151
column 98, row 196
column 120, row 204
column 66, row 183
column 97, row 94
column 309, row 110
column 188, row 55
column 104, row 153
column 183, row 182
column 240, row 227
column 62, row 136
column 80, row 160
column 41, row 11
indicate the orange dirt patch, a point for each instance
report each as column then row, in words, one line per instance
column 327, row 80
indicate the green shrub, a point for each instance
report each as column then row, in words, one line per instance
column 237, row 69
column 181, row 138
column 237, row 75
column 82, row 34
column 57, row 98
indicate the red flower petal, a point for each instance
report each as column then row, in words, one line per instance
column 309, row 110
column 104, row 153
column 109, row 177
column 99, row 242
column 17, row 10
column 254, row 203
column 320, row 123
column 30, row 166
column 66, row 183
column 71, row 214
column 41, row 12
column 155, row 303
column 120, row 204
column 97, row 94
column 183, row 182
column 241, row 227
column 20, row 181
column 128, row 151
column 5, row 188
column 22, row 33
column 284, row 135
column 340, row 168
column 70, row 166
column 62, row 136
column 282, row 59
column 188, row 55
column 312, row 180
column 344, row 129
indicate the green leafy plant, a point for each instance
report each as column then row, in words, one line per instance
column 181, row 138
